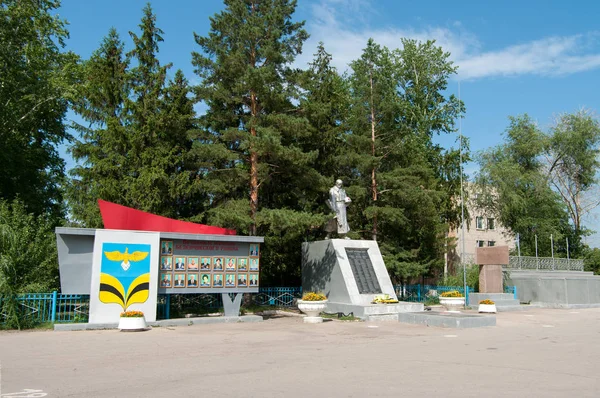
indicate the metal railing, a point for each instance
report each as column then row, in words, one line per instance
column 68, row 308
column 424, row 293
column 50, row 307
column 544, row 263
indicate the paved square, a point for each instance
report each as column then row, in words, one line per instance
column 535, row 353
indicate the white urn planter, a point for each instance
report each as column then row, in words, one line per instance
column 453, row 303
column 312, row 309
column 132, row 324
column 487, row 308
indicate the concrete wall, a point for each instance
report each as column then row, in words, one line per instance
column 75, row 260
column 556, row 287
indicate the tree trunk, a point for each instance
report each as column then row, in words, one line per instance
column 373, row 178
column 253, row 170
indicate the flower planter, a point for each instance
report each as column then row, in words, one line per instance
column 132, row 324
column 487, row 308
column 453, row 303
column 312, row 309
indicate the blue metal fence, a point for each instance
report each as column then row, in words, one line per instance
column 52, row 307
column 423, row 293
column 65, row 308
column 511, row 289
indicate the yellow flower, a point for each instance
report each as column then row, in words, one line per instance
column 452, row 293
column 132, row 314
column 312, row 296
column 486, row 301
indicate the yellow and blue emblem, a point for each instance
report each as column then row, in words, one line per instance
column 125, row 273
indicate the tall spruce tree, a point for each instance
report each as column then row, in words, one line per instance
column 103, row 148
column 135, row 149
column 325, row 105
column 36, row 84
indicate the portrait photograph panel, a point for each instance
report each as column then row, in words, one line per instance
column 242, row 264
column 242, row 280
column 254, row 265
column 205, row 280
column 165, row 280
column 230, row 280
column 254, row 249
column 180, row 263
column 218, row 264
column 230, row 264
column 166, row 247
column 217, row 280
column 192, row 280
column 179, row 280
column 253, row 280
column 192, row 264
column 166, row 263
column 206, row 264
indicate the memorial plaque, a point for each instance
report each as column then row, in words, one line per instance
column 362, row 268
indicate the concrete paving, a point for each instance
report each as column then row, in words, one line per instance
column 535, row 353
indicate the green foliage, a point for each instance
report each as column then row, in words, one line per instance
column 591, row 260
column 28, row 259
column 37, row 79
column 572, row 164
column 515, row 187
column 457, row 278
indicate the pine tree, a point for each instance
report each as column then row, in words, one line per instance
column 250, row 126
column 373, row 125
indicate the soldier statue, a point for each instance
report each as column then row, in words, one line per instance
column 338, row 201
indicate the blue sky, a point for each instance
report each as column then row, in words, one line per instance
column 514, row 57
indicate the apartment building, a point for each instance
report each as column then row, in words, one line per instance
column 482, row 230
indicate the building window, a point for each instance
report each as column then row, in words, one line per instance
column 491, row 243
column 491, row 223
column 479, row 243
column 479, row 223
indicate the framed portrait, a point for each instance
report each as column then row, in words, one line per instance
column 206, row 264
column 242, row 280
column 218, row 264
column 230, row 264
column 166, row 247
column 254, row 266
column 180, row 263
column 192, row 264
column 254, row 250
column 166, row 263
column 242, row 264
column 229, row 280
column 192, row 280
column 165, row 280
column 217, row 280
column 179, row 280
column 205, row 280
column 253, row 280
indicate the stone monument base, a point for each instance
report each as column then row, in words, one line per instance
column 351, row 273
column 375, row 312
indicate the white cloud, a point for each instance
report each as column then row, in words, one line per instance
column 340, row 25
